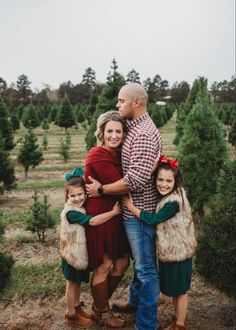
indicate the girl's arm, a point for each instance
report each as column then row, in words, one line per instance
column 165, row 213
column 86, row 219
column 104, row 217
column 128, row 201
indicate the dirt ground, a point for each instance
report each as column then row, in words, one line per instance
column 209, row 309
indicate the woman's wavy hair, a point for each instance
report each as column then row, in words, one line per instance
column 103, row 119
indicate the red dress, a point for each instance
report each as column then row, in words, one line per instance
column 109, row 237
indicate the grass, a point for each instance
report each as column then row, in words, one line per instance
column 28, row 281
column 45, row 279
column 41, row 185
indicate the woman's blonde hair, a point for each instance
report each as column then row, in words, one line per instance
column 103, row 119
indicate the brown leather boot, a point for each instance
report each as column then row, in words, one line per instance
column 77, row 320
column 103, row 315
column 113, row 282
column 83, row 313
column 124, row 307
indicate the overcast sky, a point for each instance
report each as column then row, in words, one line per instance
column 53, row 41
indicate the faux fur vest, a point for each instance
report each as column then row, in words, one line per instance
column 73, row 246
column 175, row 237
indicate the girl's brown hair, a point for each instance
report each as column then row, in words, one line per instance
column 74, row 182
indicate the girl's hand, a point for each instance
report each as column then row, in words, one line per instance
column 117, row 208
column 128, row 201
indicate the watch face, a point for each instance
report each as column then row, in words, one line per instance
column 100, row 190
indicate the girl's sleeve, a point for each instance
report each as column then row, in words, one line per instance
column 165, row 213
column 78, row 217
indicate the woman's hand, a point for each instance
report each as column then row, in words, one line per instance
column 117, row 208
column 92, row 188
column 128, row 201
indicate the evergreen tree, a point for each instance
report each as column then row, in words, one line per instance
column 6, row 260
column 65, row 116
column 41, row 218
column 23, row 89
column 29, row 153
column 53, row 114
column 106, row 101
column 216, row 254
column 30, row 117
column 6, row 130
column 202, row 151
column 232, row 134
column 157, row 115
column 89, row 77
column 183, row 112
column 64, row 149
column 45, row 142
column 91, row 108
column 133, row 77
column 15, row 120
column 7, row 176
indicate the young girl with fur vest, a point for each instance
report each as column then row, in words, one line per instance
column 73, row 247
column 176, row 241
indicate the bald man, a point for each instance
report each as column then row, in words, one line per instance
column 141, row 148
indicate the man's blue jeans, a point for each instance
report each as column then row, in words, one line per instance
column 145, row 287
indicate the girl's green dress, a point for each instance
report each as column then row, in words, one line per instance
column 175, row 277
column 70, row 273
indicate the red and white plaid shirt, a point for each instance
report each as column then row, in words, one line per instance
column 141, row 147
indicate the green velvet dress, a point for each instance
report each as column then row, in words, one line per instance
column 71, row 273
column 175, row 277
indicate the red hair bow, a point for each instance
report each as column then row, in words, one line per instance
column 173, row 162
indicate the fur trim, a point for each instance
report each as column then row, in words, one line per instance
column 175, row 237
column 73, row 246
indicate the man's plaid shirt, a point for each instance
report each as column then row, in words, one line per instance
column 141, row 147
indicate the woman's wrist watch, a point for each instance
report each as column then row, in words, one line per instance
column 100, row 190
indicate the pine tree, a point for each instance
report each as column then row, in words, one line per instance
column 106, row 101
column 7, row 176
column 6, row 260
column 65, row 116
column 6, row 130
column 216, row 254
column 183, row 112
column 30, row 118
column 53, row 114
column 64, row 149
column 133, row 77
column 232, row 134
column 41, row 218
column 91, row 108
column 15, row 120
column 202, row 151
column 29, row 154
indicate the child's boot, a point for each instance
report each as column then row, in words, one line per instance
column 180, row 327
column 83, row 313
column 77, row 320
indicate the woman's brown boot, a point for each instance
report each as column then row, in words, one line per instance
column 113, row 282
column 103, row 315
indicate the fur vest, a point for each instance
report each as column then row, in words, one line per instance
column 73, row 246
column 175, row 236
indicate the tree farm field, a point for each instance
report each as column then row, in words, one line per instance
column 34, row 296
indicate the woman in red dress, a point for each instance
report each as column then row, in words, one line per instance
column 107, row 243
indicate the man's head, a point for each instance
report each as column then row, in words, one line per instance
column 132, row 101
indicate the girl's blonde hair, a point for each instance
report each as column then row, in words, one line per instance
column 103, row 119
